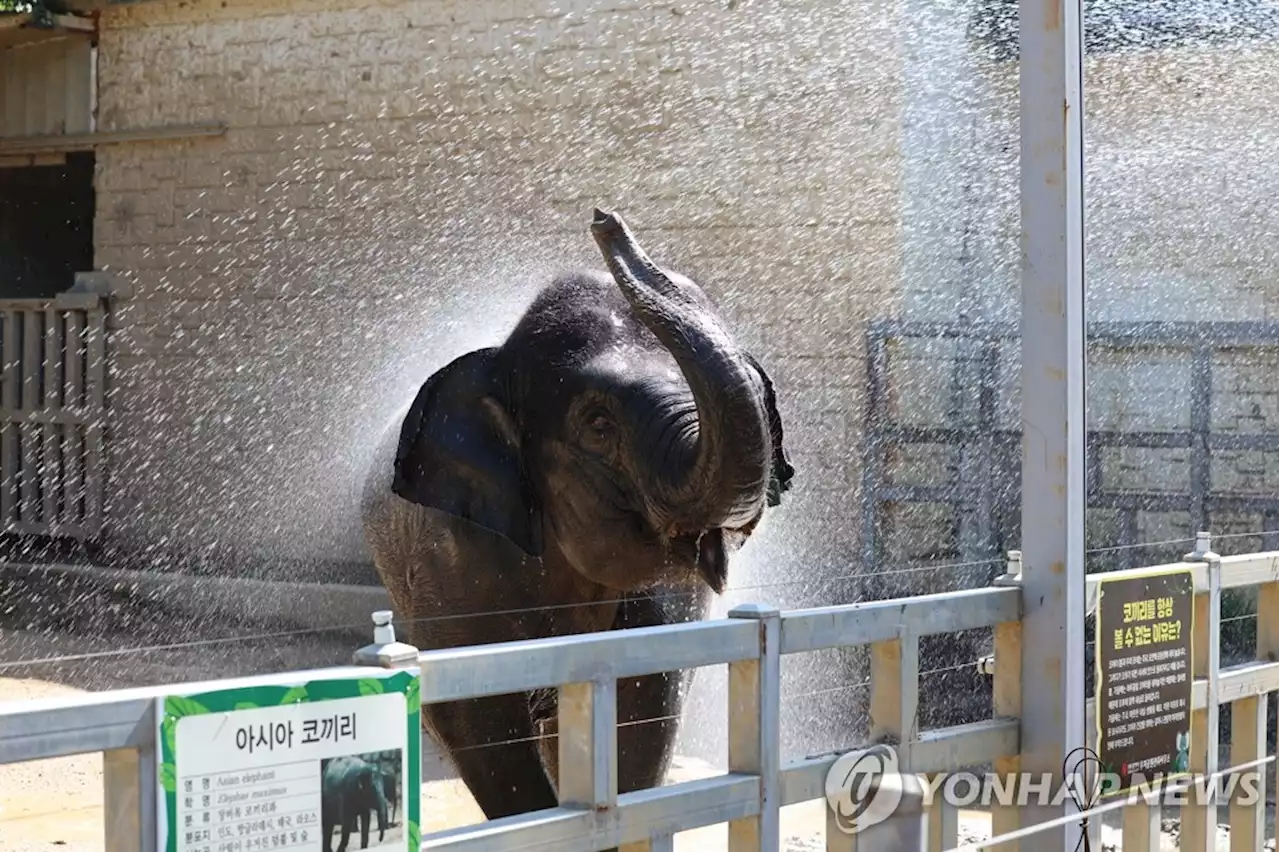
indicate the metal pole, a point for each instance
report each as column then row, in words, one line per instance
column 1053, row 399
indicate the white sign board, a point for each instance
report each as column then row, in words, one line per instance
column 279, row 765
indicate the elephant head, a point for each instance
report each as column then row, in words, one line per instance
column 619, row 429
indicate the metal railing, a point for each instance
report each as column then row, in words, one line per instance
column 1244, row 687
column 585, row 669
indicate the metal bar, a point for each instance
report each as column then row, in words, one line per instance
column 988, row 380
column 1248, row 742
column 507, row 667
column 9, row 398
column 1128, row 537
column 53, row 471
column 1154, row 332
column 878, row 621
column 1214, row 684
column 1140, row 826
column 119, row 719
column 638, row 816
column 588, row 744
column 1148, row 501
column 31, row 380
column 754, row 724
column 1052, row 330
column 965, row 479
column 95, row 401
column 874, row 421
column 130, row 798
column 1201, row 394
column 940, row 750
column 1240, row 571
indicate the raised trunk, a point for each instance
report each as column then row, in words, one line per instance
column 725, row 485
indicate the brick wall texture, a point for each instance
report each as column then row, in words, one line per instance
column 395, row 178
column 398, row 175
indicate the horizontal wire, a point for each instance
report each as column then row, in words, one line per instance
column 539, row 737
column 1114, row 547
column 174, row 646
column 199, row 643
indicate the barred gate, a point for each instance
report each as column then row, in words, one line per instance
column 52, row 392
column 1180, row 398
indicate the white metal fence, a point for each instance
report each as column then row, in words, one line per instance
column 752, row 641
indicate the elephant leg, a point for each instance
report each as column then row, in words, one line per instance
column 505, row 779
column 364, row 828
column 344, row 823
column 326, row 827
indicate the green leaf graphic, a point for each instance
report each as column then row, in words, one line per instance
column 178, row 706
column 294, row 695
column 167, row 779
column 245, row 705
column 169, row 726
column 371, row 686
column 415, row 839
column 413, row 695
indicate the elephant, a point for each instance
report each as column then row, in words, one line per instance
column 595, row 471
column 389, row 789
column 349, row 789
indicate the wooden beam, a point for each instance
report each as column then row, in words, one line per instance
column 62, row 142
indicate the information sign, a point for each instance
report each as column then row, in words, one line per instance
column 280, row 765
column 1143, row 686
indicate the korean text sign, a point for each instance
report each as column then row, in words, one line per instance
column 1144, row 677
column 277, row 765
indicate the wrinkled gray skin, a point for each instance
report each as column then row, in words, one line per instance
column 618, row 446
column 349, row 789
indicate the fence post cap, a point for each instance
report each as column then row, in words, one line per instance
column 754, row 610
column 385, row 651
column 1202, row 553
column 1012, row 575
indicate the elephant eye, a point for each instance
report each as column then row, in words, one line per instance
column 597, row 424
column 600, row 424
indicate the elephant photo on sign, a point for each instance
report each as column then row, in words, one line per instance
column 595, row 471
column 353, row 792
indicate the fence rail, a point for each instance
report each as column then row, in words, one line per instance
column 752, row 641
column 52, row 406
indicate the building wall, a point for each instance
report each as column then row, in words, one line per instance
column 396, row 177
column 1181, row 225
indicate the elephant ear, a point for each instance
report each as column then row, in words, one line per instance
column 780, row 471
column 459, row 452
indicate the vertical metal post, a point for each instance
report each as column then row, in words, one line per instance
column 754, row 743
column 129, row 779
column 1053, row 397
column 588, row 743
column 1198, row 829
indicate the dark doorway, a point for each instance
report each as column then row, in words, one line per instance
column 46, row 227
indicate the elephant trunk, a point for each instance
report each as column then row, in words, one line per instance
column 724, row 487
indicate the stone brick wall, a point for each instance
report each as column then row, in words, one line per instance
column 1181, row 225
column 397, row 175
